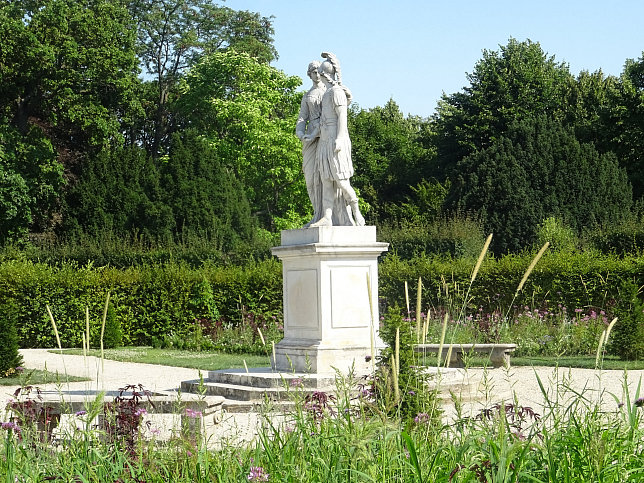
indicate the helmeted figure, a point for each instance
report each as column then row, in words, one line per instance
column 333, row 153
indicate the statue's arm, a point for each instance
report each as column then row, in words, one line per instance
column 302, row 118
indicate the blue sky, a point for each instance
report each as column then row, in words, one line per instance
column 413, row 50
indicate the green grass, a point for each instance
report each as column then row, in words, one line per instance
column 205, row 361
column 583, row 362
column 36, row 376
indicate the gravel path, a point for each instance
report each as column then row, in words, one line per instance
column 481, row 388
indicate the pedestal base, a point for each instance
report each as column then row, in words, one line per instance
column 330, row 299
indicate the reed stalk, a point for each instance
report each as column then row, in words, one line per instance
column 261, row 336
column 419, row 294
column 407, row 298
column 479, row 261
column 245, row 366
column 107, row 304
column 372, row 328
column 442, row 341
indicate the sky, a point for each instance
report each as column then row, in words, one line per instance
column 413, row 51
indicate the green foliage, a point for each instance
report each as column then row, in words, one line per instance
column 173, row 35
column 414, row 398
column 628, row 333
column 148, row 302
column 69, row 66
column 516, row 81
column 390, row 154
column 535, row 170
column 247, row 111
column 455, row 237
column 188, row 193
column 30, row 180
column 113, row 335
column 10, row 358
column 561, row 237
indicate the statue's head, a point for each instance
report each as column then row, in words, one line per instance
column 312, row 71
column 330, row 68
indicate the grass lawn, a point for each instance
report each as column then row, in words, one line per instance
column 35, row 376
column 583, row 362
column 206, row 361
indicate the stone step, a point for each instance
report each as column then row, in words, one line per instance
column 234, row 391
column 265, row 378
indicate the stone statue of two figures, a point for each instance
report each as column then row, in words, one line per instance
column 326, row 147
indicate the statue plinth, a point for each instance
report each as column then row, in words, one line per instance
column 330, row 287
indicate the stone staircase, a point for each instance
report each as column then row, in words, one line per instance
column 244, row 391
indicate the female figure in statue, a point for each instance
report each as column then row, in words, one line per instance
column 308, row 131
column 333, row 155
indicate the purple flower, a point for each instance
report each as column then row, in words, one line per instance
column 297, row 382
column 191, row 413
column 11, row 426
column 639, row 402
column 81, row 413
column 140, row 412
column 257, row 473
column 421, row 418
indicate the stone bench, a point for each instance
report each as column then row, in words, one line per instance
column 499, row 353
column 47, row 407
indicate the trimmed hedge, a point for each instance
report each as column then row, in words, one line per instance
column 574, row 280
column 148, row 301
column 156, row 300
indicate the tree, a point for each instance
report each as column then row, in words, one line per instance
column 247, row 110
column 391, row 157
column 30, row 181
column 174, row 34
column 204, row 195
column 516, row 81
column 69, row 67
column 536, row 170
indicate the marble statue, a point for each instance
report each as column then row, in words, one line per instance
column 308, row 131
column 339, row 202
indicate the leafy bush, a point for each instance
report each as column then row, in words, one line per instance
column 628, row 332
column 113, row 336
column 560, row 236
column 455, row 237
column 10, row 358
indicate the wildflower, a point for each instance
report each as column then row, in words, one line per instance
column 289, row 429
column 579, row 311
column 639, row 402
column 367, row 359
column 297, row 382
column 81, row 413
column 140, row 412
column 11, row 426
column 620, row 405
column 155, row 431
column 411, row 393
column 191, row 413
column 421, row 418
column 20, row 369
column 257, row 473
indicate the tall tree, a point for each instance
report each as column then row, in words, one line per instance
column 391, row 155
column 517, row 80
column 535, row 170
column 248, row 110
column 174, row 34
column 68, row 73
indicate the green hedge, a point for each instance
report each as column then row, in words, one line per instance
column 156, row 300
column 574, row 280
column 149, row 301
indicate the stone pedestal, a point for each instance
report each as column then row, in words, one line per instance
column 330, row 276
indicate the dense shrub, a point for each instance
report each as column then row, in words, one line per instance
column 10, row 358
column 455, row 237
column 628, row 333
column 113, row 335
column 149, row 301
